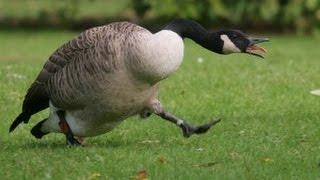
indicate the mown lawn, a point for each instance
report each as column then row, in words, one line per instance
column 85, row 8
column 270, row 127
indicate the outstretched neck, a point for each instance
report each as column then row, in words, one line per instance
column 193, row 30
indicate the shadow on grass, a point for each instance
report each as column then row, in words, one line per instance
column 60, row 144
column 94, row 143
column 41, row 145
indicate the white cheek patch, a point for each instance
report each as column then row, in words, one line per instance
column 228, row 45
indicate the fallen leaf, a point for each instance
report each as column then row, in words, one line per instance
column 235, row 155
column 149, row 141
column 162, row 160
column 94, row 176
column 200, row 60
column 199, row 149
column 267, row 160
column 209, row 164
column 142, row 175
column 315, row 92
column 16, row 76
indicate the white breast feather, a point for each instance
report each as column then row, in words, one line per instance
column 160, row 55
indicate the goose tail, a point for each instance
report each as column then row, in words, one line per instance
column 23, row 117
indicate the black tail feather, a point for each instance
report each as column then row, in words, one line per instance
column 23, row 117
column 36, row 130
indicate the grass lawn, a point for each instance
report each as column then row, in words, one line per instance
column 270, row 125
column 85, row 8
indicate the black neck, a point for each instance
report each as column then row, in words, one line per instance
column 193, row 30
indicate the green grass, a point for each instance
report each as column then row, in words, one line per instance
column 270, row 127
column 85, row 8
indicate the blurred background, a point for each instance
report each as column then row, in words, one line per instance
column 270, row 127
column 296, row 16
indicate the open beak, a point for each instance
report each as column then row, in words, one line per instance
column 256, row 50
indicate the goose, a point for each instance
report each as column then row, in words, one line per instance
column 112, row 72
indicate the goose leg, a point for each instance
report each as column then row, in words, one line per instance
column 64, row 126
column 187, row 129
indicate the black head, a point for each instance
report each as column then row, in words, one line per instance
column 222, row 42
column 233, row 41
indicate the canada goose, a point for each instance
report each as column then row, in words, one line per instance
column 112, row 72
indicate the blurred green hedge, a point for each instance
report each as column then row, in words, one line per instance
column 298, row 15
column 301, row 16
column 61, row 14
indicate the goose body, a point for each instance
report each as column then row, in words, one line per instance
column 110, row 73
column 98, row 99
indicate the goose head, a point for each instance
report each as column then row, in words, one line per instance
column 233, row 41
column 222, row 42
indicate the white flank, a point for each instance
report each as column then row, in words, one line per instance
column 315, row 92
column 228, row 45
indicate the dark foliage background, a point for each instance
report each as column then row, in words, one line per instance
column 301, row 16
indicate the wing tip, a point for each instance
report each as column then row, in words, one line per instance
column 23, row 117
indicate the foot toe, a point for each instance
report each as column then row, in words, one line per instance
column 188, row 130
column 204, row 128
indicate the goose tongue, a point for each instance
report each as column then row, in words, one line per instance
column 256, row 50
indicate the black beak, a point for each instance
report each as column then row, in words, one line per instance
column 254, row 49
column 257, row 40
